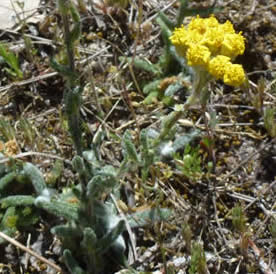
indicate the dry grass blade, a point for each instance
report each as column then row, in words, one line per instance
column 31, row 252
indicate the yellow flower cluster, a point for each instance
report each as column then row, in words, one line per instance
column 210, row 45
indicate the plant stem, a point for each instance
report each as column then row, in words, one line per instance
column 69, row 48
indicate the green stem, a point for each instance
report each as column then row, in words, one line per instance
column 67, row 40
column 199, row 93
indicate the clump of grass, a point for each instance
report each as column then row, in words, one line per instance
column 239, row 223
column 238, row 219
column 198, row 260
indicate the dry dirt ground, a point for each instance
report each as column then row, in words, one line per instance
column 243, row 152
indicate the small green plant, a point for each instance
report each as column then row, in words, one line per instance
column 12, row 61
column 6, row 130
column 31, row 51
column 187, row 236
column 239, row 223
column 190, row 162
column 238, row 219
column 198, row 260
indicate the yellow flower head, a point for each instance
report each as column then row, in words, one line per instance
column 211, row 45
column 234, row 75
column 218, row 65
column 198, row 55
column 232, row 45
column 213, row 39
column 182, row 39
column 179, row 36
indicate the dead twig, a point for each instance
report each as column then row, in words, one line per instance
column 31, row 252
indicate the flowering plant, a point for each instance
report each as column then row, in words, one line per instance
column 210, row 46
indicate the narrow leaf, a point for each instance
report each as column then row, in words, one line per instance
column 148, row 217
column 60, row 209
column 129, row 147
column 108, row 240
column 36, row 177
column 17, row 200
column 71, row 263
column 5, row 180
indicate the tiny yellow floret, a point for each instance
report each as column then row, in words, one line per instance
column 213, row 39
column 217, row 66
column 198, row 55
column 197, row 24
column 227, row 27
column 234, row 75
column 232, row 45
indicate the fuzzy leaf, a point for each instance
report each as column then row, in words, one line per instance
column 72, row 105
column 90, row 238
column 184, row 140
column 165, row 31
column 129, row 148
column 152, row 97
column 76, row 31
column 144, row 140
column 109, row 239
column 98, row 184
column 5, row 180
column 91, row 157
column 69, row 234
column 67, row 231
column 172, row 89
column 143, row 64
column 36, row 177
column 17, row 200
column 152, row 86
column 62, row 69
column 58, row 208
column 166, row 20
column 71, row 263
column 89, row 244
column 149, row 216
column 78, row 164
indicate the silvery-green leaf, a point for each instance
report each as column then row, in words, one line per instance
column 36, row 177
column 148, row 217
column 152, row 86
column 71, row 263
column 58, row 208
column 109, row 239
column 129, row 148
column 181, row 141
column 5, row 180
column 173, row 88
column 17, row 200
